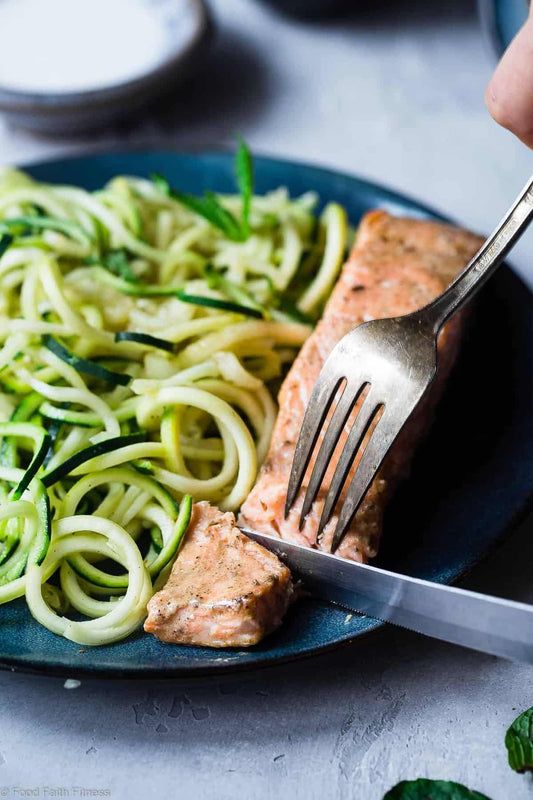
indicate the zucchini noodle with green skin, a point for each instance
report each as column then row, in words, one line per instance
column 143, row 336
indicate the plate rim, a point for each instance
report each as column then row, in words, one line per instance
column 209, row 147
column 33, row 666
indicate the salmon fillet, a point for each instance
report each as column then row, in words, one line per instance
column 224, row 589
column 396, row 266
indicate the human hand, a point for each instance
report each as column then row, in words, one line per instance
column 509, row 95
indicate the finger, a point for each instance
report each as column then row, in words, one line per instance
column 509, row 95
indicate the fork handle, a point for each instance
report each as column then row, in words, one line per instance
column 484, row 263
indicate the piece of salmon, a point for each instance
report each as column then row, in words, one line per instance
column 224, row 589
column 227, row 591
column 396, row 266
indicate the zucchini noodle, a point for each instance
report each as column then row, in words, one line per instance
column 143, row 336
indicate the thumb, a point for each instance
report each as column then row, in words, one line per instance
column 509, row 95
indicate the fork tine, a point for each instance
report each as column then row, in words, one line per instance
column 342, row 411
column 317, row 409
column 357, row 433
column 377, row 448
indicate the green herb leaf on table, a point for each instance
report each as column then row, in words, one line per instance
column 425, row 789
column 519, row 742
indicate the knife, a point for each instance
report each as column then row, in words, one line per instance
column 478, row 621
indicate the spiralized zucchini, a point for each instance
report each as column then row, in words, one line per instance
column 143, row 334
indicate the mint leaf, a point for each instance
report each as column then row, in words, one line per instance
column 425, row 789
column 244, row 172
column 210, row 207
column 225, row 218
column 519, row 742
column 207, row 207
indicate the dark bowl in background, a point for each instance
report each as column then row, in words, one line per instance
column 310, row 9
column 500, row 19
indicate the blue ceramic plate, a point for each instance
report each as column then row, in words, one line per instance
column 471, row 480
column 502, row 19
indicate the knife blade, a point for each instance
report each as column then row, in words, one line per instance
column 477, row 621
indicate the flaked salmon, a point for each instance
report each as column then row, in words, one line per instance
column 224, row 589
column 397, row 266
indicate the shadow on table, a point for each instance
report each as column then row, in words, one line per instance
column 232, row 90
column 237, row 84
column 365, row 683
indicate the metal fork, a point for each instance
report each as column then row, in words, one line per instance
column 394, row 361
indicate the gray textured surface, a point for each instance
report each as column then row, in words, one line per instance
column 395, row 95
